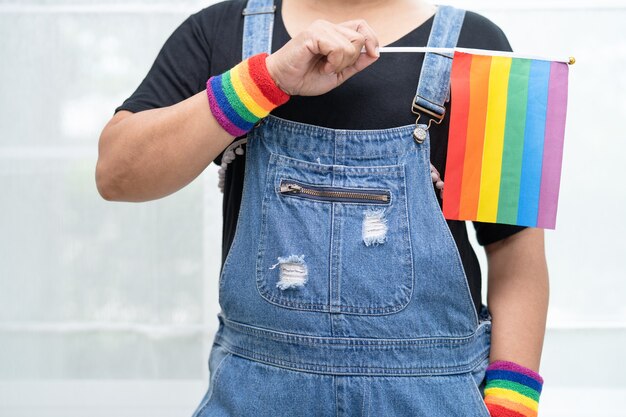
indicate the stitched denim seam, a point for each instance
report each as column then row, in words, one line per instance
column 360, row 157
column 263, row 224
column 301, row 128
column 393, row 170
column 325, row 308
column 407, row 234
column 252, row 355
column 237, row 228
column 336, row 341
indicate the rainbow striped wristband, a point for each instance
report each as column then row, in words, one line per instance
column 512, row 390
column 243, row 95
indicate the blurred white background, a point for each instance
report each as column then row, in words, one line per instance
column 109, row 309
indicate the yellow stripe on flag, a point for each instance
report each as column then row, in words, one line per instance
column 494, row 139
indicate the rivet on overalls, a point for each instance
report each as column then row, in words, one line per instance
column 419, row 134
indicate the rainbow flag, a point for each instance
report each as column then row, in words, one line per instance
column 505, row 144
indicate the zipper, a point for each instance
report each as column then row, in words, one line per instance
column 354, row 195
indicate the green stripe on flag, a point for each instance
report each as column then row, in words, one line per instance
column 513, row 149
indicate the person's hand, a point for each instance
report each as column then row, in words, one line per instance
column 323, row 56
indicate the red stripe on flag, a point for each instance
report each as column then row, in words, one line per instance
column 460, row 87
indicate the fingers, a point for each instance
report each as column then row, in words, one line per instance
column 371, row 40
column 341, row 51
column 368, row 39
column 341, row 44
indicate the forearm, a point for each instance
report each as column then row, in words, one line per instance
column 517, row 296
column 153, row 153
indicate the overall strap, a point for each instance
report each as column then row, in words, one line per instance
column 434, row 83
column 258, row 24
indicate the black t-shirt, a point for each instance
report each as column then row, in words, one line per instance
column 208, row 43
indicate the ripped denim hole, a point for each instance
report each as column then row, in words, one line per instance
column 374, row 226
column 293, row 272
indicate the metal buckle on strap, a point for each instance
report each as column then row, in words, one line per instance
column 419, row 134
column 263, row 10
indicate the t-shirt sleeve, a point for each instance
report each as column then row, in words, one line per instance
column 478, row 32
column 179, row 71
column 481, row 33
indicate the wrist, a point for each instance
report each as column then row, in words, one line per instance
column 512, row 390
column 273, row 72
column 243, row 95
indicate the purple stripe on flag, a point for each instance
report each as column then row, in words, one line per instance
column 553, row 146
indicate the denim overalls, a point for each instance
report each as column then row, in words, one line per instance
column 343, row 293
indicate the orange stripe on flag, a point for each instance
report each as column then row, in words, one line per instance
column 479, row 93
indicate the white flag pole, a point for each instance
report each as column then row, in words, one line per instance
column 448, row 51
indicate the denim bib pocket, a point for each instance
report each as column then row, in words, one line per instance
column 334, row 238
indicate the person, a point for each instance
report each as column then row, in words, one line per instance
column 343, row 290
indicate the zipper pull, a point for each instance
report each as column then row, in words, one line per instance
column 290, row 188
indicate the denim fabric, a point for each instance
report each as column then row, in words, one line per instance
column 258, row 25
column 434, row 91
column 241, row 387
column 352, row 302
